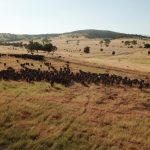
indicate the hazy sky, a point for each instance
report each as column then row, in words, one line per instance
column 55, row 16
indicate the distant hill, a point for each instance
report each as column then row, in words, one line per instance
column 7, row 37
column 104, row 34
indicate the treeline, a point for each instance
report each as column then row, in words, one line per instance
column 14, row 44
column 7, row 37
column 32, row 46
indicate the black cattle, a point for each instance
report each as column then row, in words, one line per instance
column 113, row 53
column 66, row 77
column 26, row 56
column 4, row 64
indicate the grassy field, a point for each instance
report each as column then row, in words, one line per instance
column 135, row 58
column 37, row 116
column 40, row 117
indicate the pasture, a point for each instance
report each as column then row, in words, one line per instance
column 42, row 116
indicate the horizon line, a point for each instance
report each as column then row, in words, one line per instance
column 58, row 33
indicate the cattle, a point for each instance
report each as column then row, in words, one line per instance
column 66, row 77
column 113, row 53
column 26, row 56
column 4, row 64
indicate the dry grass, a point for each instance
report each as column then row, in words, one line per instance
column 38, row 116
column 126, row 58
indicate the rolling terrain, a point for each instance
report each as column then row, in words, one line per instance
column 7, row 37
column 40, row 116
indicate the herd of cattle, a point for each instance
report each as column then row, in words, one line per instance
column 65, row 76
column 25, row 56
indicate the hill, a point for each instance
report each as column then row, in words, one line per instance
column 104, row 34
column 7, row 37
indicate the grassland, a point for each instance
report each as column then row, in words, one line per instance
column 40, row 117
column 37, row 116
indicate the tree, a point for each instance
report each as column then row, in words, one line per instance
column 146, row 45
column 107, row 42
column 101, row 42
column 49, row 47
column 87, row 49
column 126, row 43
column 32, row 46
column 134, row 42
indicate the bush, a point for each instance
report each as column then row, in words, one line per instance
column 87, row 49
column 146, row 45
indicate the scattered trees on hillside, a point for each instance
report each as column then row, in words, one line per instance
column 87, row 49
column 33, row 46
column 128, row 43
column 14, row 44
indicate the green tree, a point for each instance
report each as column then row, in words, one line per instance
column 101, row 42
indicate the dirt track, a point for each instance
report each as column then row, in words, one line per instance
column 116, row 70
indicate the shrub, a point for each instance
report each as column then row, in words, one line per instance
column 146, row 45
column 87, row 49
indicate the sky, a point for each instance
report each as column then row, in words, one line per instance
column 58, row 16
